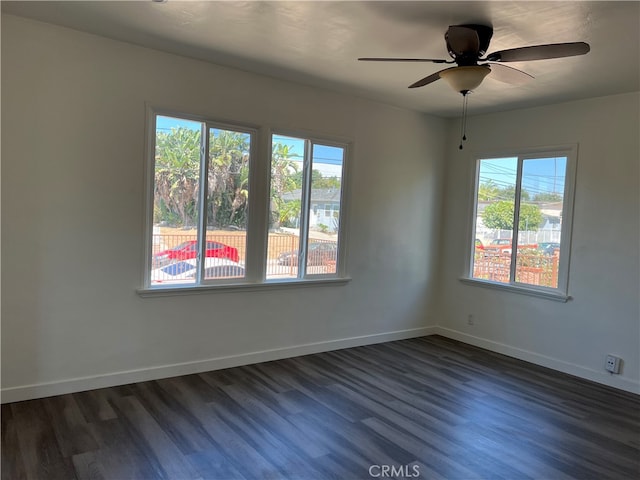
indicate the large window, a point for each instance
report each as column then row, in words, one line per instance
column 522, row 220
column 215, row 220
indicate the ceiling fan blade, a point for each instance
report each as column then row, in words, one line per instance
column 540, row 52
column 429, row 79
column 511, row 75
column 385, row 59
column 462, row 40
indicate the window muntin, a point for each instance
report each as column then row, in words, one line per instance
column 306, row 179
column 200, row 230
column 522, row 217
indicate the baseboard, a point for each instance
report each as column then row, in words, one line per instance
column 542, row 360
column 29, row 392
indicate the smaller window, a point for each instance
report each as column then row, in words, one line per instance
column 306, row 177
column 522, row 220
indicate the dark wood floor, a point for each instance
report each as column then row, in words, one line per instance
column 425, row 408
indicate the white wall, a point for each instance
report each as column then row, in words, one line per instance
column 603, row 316
column 73, row 113
column 73, row 108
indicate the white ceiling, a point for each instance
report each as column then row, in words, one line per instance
column 317, row 43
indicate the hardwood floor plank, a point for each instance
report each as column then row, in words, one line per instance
column 12, row 464
column 288, row 458
column 37, row 443
column 274, row 422
column 347, row 435
column 248, row 461
column 150, row 438
column 120, row 456
column 349, row 459
column 94, row 405
column 211, row 463
column 429, row 453
column 88, row 467
column 69, row 425
column 180, row 425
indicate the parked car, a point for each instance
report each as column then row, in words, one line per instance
column 184, row 271
column 548, row 248
column 189, row 249
column 319, row 253
column 479, row 245
column 501, row 241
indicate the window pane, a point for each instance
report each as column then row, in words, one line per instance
column 175, row 200
column 541, row 200
column 227, row 203
column 287, row 161
column 494, row 218
column 326, row 186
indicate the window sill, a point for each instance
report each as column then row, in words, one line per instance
column 169, row 291
column 534, row 292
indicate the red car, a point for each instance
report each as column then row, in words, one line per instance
column 189, row 249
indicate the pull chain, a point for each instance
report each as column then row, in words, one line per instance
column 463, row 127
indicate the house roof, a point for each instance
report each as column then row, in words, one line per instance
column 318, row 195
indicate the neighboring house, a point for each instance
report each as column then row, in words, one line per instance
column 552, row 215
column 325, row 207
column 548, row 231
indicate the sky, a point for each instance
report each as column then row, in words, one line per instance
column 326, row 159
column 167, row 123
column 539, row 175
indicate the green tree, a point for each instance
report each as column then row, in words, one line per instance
column 177, row 169
column 488, row 191
column 289, row 213
column 499, row 216
column 317, row 180
column 285, row 178
column 548, row 197
column 327, row 182
column 177, row 177
column 228, row 178
column 509, row 193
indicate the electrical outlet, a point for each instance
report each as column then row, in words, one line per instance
column 612, row 364
column 470, row 320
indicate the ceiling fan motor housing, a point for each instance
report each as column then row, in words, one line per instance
column 467, row 43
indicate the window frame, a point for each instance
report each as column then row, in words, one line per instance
column 257, row 216
column 561, row 292
column 310, row 142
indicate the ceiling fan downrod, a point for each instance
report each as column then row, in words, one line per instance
column 463, row 127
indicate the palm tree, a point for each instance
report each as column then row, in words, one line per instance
column 177, row 171
column 228, row 177
column 177, row 176
column 488, row 190
column 283, row 180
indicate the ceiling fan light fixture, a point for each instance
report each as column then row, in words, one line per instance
column 465, row 79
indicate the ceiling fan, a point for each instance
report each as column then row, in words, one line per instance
column 467, row 44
